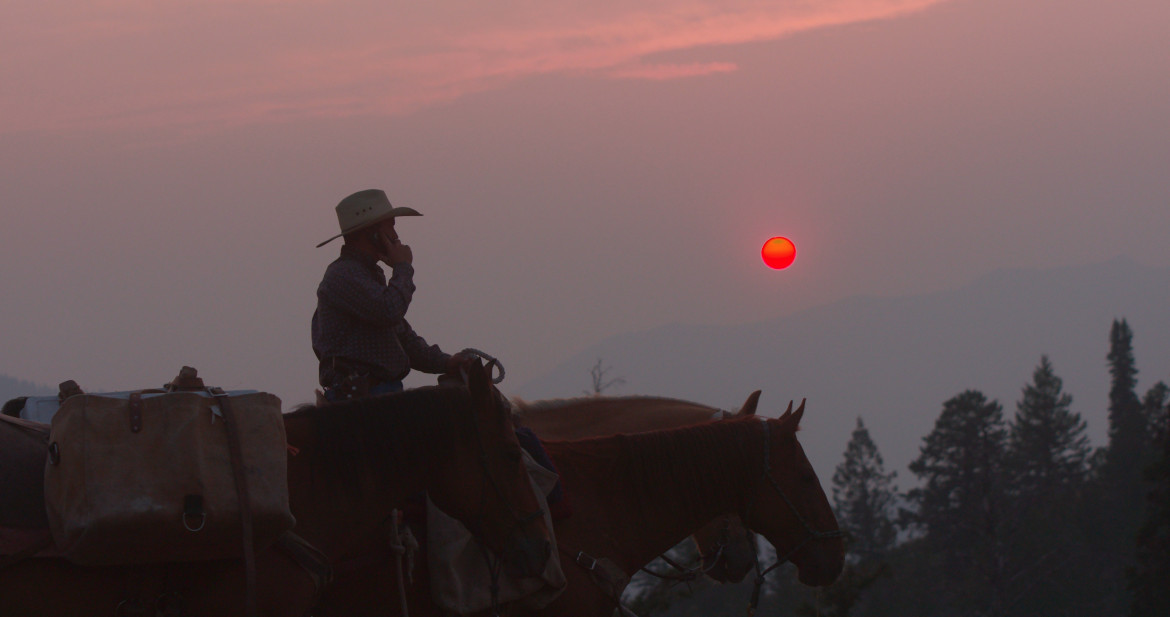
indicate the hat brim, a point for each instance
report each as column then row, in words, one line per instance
column 394, row 212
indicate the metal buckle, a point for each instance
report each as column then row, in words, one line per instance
column 581, row 556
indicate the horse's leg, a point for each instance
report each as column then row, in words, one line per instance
column 283, row 587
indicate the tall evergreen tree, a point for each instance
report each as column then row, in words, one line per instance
column 1047, row 461
column 1048, row 449
column 1148, row 580
column 863, row 497
column 960, row 504
column 1120, row 493
column 1127, row 424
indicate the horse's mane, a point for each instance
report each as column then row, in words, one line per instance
column 720, row 456
column 12, row 408
column 522, row 407
column 385, row 435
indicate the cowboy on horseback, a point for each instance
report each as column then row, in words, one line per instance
column 362, row 340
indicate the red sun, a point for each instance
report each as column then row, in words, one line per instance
column 779, row 253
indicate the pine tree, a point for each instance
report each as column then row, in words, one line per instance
column 863, row 497
column 1048, row 450
column 1120, row 493
column 1148, row 580
column 960, row 504
column 1127, row 423
column 1047, row 463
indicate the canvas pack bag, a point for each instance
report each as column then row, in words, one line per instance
column 148, row 477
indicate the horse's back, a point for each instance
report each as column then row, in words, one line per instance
column 582, row 418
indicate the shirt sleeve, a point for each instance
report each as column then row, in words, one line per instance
column 423, row 357
column 367, row 299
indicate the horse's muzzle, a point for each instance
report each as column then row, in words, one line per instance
column 731, row 564
column 819, row 568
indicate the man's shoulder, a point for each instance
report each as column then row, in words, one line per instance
column 347, row 265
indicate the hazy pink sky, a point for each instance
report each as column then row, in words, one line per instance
column 80, row 64
column 585, row 169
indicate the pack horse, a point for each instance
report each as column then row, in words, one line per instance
column 349, row 466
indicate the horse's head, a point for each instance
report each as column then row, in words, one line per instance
column 493, row 492
column 788, row 506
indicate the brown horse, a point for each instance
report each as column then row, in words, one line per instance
column 725, row 545
column 635, row 496
column 354, row 463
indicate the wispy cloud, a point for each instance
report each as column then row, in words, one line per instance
column 672, row 71
column 74, row 64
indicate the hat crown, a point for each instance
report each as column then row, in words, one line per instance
column 361, row 209
column 365, row 208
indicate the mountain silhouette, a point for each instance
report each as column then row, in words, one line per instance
column 895, row 360
column 11, row 387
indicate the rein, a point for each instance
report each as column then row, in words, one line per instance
column 519, row 519
column 685, row 574
column 811, row 534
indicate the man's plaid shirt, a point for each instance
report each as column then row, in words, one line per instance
column 361, row 319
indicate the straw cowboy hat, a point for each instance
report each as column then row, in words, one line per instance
column 364, row 208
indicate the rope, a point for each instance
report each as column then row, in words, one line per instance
column 491, row 361
column 399, row 549
column 685, row 575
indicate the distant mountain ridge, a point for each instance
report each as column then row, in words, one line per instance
column 895, row 360
column 11, row 387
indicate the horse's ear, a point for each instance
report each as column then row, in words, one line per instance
column 749, row 406
column 799, row 412
column 787, row 412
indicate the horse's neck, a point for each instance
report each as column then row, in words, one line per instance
column 633, row 515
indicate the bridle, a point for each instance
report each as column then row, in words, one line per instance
column 810, row 533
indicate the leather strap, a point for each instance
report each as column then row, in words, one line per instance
column 608, row 577
column 308, row 557
column 135, row 409
column 237, row 457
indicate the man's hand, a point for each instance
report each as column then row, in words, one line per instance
column 395, row 252
column 458, row 361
